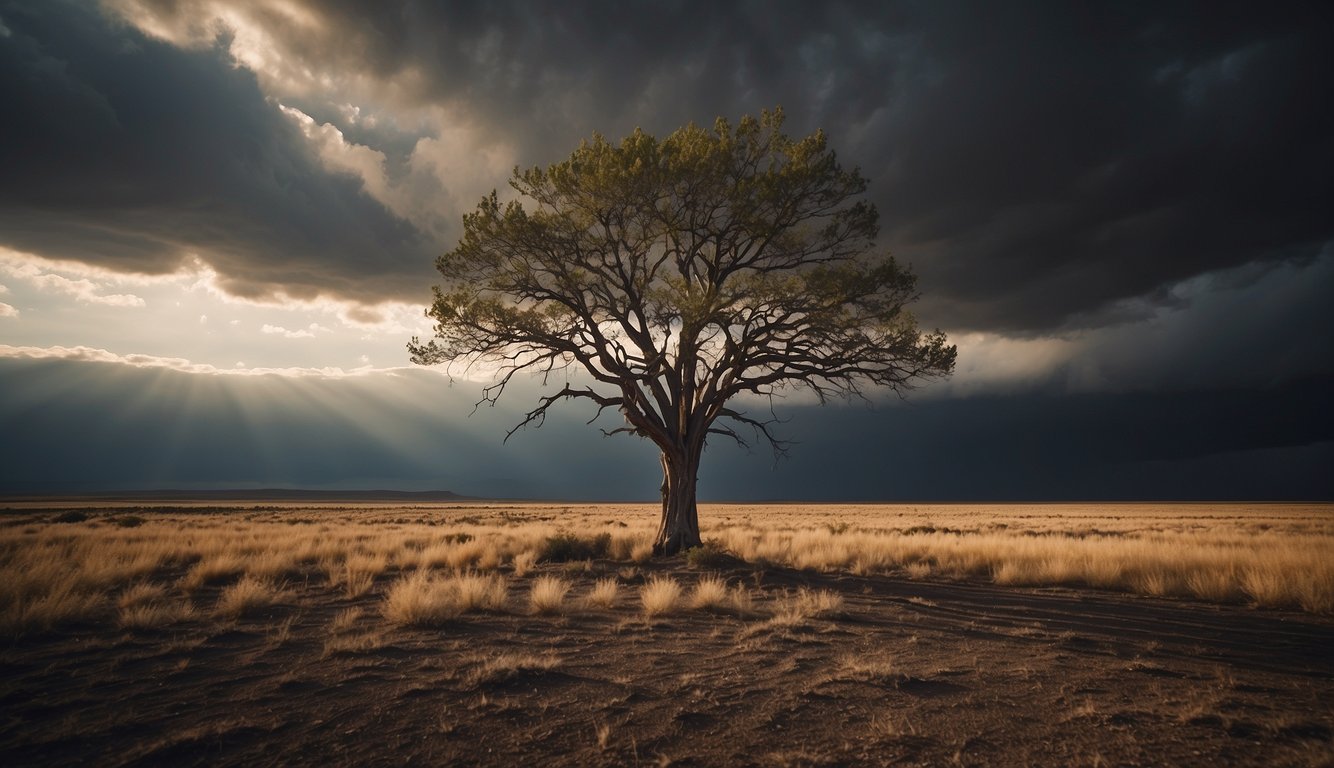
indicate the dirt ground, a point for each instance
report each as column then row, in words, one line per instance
column 911, row 673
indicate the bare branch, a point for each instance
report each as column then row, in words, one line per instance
column 538, row 415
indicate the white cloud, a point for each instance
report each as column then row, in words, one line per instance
column 251, row 42
column 4, row 288
column 97, row 355
column 395, row 318
column 991, row 362
column 8, row 311
column 278, row 330
column 446, row 171
column 203, row 319
column 85, row 284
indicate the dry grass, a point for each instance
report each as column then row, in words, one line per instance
column 63, row 604
column 1275, row 557
column 425, row 600
column 660, row 595
column 743, row 604
column 420, row 600
column 363, row 642
column 547, row 595
column 352, row 646
column 218, row 568
column 1219, row 586
column 155, row 615
column 245, row 596
column 360, row 572
column 808, row 604
column 604, row 593
column 918, row 570
column 709, row 593
column 67, row 574
column 868, row 670
column 272, row 564
column 280, row 635
column 524, row 562
column 140, row 594
column 147, row 606
column 641, row 553
column 503, row 667
column 480, row 592
column 357, row 584
column 344, row 620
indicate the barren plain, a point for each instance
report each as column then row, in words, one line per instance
column 500, row 634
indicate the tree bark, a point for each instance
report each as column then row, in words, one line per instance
column 679, row 527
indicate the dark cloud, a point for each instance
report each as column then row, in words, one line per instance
column 1058, row 161
column 83, row 426
column 130, row 153
column 1197, row 445
column 1043, row 165
column 1036, row 161
column 1251, row 326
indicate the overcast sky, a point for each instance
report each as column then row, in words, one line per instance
column 218, row 222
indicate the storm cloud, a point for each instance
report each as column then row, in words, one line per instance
column 135, row 155
column 1041, row 165
column 1120, row 212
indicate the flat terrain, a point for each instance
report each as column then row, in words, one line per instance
column 889, row 668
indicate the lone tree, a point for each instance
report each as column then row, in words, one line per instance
column 683, row 276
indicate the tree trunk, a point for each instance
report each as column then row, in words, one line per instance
column 679, row 528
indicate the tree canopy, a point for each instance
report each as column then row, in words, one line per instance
column 683, row 276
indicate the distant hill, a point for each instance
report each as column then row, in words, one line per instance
column 252, row 494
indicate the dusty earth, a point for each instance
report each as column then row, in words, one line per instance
column 911, row 673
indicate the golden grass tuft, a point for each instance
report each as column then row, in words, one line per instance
column 508, row 666
column 604, row 593
column 146, row 606
column 420, row 600
column 709, row 593
column 741, row 601
column 245, row 596
column 478, row 553
column 1158, row 581
column 660, row 595
column 352, row 643
column 918, row 570
column 64, row 603
column 524, row 562
column 140, row 594
column 868, row 670
column 480, row 592
column 642, row 552
column 213, row 570
column 547, row 595
column 426, row 600
column 1219, row 586
column 360, row 572
column 807, row 604
column 345, row 620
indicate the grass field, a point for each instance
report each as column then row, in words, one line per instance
column 520, row 609
column 59, row 572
